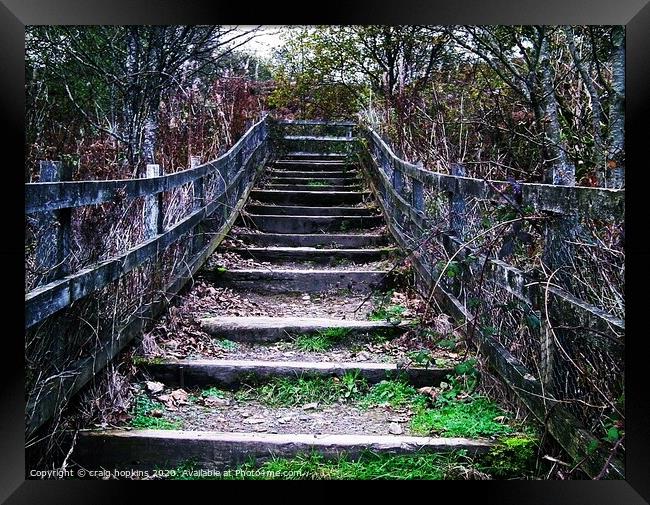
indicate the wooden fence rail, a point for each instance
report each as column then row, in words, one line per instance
column 237, row 169
column 410, row 224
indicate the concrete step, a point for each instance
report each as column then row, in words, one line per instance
column 309, row 224
column 320, row 174
column 333, row 240
column 316, row 186
column 305, row 181
column 284, row 280
column 301, row 210
column 322, row 256
column 233, row 374
column 317, row 198
column 274, row 329
column 147, row 450
column 314, row 157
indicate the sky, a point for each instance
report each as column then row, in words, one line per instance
column 268, row 40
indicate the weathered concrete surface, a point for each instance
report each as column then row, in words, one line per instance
column 234, row 373
column 168, row 449
column 273, row 329
column 310, row 224
column 314, row 239
column 321, row 256
column 300, row 210
column 304, row 281
column 317, row 198
column 307, row 187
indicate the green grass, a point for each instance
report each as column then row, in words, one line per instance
column 227, row 345
column 314, row 466
column 317, row 183
column 475, row 418
column 313, row 343
column 291, row 392
column 395, row 393
column 321, row 341
column 142, row 418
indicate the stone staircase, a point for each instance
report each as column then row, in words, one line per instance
column 318, row 235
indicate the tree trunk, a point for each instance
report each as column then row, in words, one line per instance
column 559, row 169
column 132, row 93
column 616, row 141
column 598, row 152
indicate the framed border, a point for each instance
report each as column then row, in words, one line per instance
column 635, row 14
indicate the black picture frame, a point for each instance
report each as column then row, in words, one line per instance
column 635, row 14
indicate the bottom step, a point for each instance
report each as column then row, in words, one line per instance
column 169, row 449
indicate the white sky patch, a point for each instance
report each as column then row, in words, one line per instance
column 268, row 39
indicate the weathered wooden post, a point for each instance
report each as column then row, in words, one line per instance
column 198, row 191
column 53, row 247
column 417, row 195
column 457, row 205
column 153, row 206
column 55, row 228
column 559, row 234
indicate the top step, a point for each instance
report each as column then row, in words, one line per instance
column 311, row 165
column 301, row 155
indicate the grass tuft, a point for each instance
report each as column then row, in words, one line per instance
column 142, row 415
column 324, row 340
column 478, row 417
column 290, row 392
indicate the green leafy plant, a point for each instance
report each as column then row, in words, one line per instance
column 395, row 393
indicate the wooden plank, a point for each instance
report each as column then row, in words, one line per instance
column 168, row 449
column 42, row 405
column 234, row 373
column 274, row 329
column 321, row 255
column 299, row 280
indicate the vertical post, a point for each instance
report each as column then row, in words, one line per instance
column 53, row 248
column 398, row 178
column 198, row 189
column 153, row 206
column 457, row 205
column 559, row 233
column 417, row 193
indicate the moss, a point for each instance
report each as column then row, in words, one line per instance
column 511, row 456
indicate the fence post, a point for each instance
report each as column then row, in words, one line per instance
column 53, row 248
column 417, row 193
column 198, row 189
column 153, row 206
column 457, row 205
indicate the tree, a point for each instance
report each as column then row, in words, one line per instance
column 114, row 77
